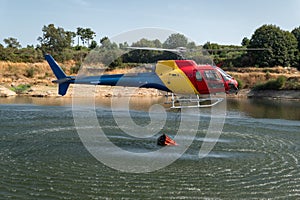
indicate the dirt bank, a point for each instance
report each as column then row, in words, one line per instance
column 38, row 77
column 252, row 76
column 275, row 94
column 268, row 94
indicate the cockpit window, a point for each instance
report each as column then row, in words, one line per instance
column 198, row 76
column 212, row 75
column 223, row 73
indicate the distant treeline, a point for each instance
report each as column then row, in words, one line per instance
column 269, row 46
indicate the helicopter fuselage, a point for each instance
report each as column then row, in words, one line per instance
column 176, row 76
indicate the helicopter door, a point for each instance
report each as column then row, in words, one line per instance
column 200, row 83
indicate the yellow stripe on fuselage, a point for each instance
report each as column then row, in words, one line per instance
column 174, row 78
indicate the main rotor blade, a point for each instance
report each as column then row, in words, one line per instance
column 242, row 49
column 183, row 49
column 178, row 50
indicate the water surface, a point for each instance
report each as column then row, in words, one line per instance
column 42, row 156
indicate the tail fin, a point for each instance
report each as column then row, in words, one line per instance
column 59, row 73
column 62, row 78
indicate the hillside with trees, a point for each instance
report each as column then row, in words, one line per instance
column 258, row 62
column 275, row 47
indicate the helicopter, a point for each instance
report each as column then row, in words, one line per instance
column 182, row 76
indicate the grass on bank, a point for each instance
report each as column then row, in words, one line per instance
column 281, row 83
column 20, row 89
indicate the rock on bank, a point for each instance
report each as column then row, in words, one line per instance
column 4, row 92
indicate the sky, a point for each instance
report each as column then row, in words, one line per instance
column 217, row 21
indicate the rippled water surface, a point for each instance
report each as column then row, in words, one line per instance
column 256, row 156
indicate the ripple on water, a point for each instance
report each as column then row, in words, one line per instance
column 270, row 168
column 253, row 158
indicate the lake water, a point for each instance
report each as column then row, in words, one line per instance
column 256, row 156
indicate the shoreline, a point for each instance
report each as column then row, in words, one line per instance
column 40, row 82
column 109, row 91
column 275, row 94
column 267, row 94
column 82, row 91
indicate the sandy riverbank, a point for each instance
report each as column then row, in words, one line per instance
column 39, row 77
column 108, row 91
column 82, row 91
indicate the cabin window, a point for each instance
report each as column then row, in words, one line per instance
column 212, row 75
column 198, row 76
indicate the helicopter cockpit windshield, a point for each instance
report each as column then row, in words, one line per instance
column 212, row 75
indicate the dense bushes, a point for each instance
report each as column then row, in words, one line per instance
column 280, row 83
column 269, row 46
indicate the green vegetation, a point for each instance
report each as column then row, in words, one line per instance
column 277, row 48
column 292, row 83
column 281, row 83
column 30, row 72
column 269, row 46
column 240, row 83
column 20, row 88
column 75, row 69
column 281, row 47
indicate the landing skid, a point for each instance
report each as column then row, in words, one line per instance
column 197, row 102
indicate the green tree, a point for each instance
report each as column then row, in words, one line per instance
column 175, row 40
column 55, row 40
column 85, row 35
column 280, row 45
column 2, row 52
column 123, row 45
column 89, row 35
column 245, row 42
column 211, row 47
column 80, row 34
column 107, row 53
column 12, row 43
column 93, row 44
column 70, row 37
column 11, row 52
column 107, row 44
column 191, row 45
column 157, row 43
column 214, row 50
column 30, row 54
column 104, row 39
column 147, row 43
column 147, row 56
column 296, row 33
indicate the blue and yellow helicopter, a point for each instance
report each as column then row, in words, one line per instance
column 183, row 77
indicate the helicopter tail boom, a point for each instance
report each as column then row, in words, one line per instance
column 62, row 79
